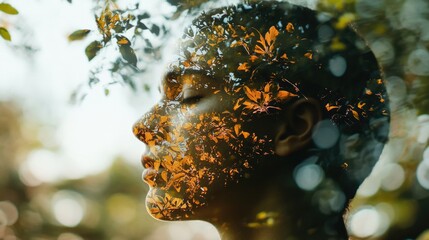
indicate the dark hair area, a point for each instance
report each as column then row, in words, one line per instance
column 312, row 55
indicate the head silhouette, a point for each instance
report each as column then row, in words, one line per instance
column 271, row 114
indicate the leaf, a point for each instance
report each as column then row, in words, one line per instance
column 271, row 35
column 329, row 107
column 243, row 67
column 290, row 28
column 4, row 33
column 147, row 136
column 361, row 105
column 309, row 55
column 78, row 34
column 155, row 30
column 7, row 8
column 143, row 16
column 253, row 95
column 267, row 44
column 284, row 95
column 92, row 49
column 164, row 176
column 284, row 56
column 355, row 114
column 267, row 87
column 237, row 128
column 245, row 134
column 123, row 40
column 128, row 54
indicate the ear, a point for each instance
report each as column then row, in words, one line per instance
column 296, row 126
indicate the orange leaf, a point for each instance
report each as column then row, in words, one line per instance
column 250, row 105
column 123, row 41
column 163, row 119
column 309, row 55
column 237, row 129
column 267, row 87
column 355, row 114
column 361, row 105
column 329, row 107
column 252, row 94
column 164, row 176
column 245, row 134
column 147, row 136
column 243, row 67
column 284, row 56
column 253, row 58
column 267, row 97
column 271, row 35
column 237, row 104
column 187, row 126
column 284, row 95
column 156, row 165
column 290, row 28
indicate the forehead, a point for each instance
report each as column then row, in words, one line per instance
column 231, row 43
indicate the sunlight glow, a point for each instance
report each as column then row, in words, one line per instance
column 68, row 208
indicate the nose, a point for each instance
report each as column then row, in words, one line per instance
column 151, row 127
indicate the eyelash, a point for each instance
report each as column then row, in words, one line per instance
column 192, row 99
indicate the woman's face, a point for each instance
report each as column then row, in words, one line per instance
column 208, row 131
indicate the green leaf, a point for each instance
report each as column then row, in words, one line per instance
column 79, row 34
column 7, row 8
column 5, row 34
column 128, row 54
column 155, row 30
column 92, row 49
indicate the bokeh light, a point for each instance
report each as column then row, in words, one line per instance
column 68, row 208
column 365, row 222
column 325, row 134
column 308, row 176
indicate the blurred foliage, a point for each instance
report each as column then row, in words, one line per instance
column 111, row 200
column 126, row 30
column 398, row 33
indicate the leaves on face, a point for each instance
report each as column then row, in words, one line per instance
column 265, row 44
column 283, row 95
column 290, row 28
column 330, row 107
column 243, row 67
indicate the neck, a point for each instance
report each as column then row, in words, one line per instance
column 272, row 214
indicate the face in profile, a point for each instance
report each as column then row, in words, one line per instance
column 210, row 130
column 240, row 103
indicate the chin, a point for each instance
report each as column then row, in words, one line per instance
column 164, row 206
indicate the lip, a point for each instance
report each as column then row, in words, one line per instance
column 149, row 176
column 147, row 161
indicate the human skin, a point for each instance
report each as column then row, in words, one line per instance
column 215, row 147
column 232, row 126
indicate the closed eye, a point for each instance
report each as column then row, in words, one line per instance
column 192, row 99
